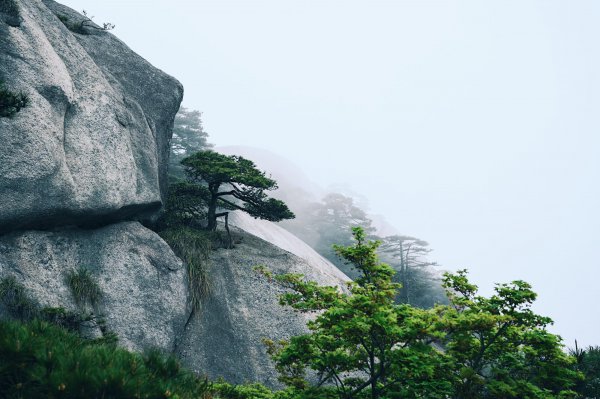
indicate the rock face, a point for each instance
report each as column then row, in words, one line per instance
column 143, row 284
column 224, row 338
column 91, row 146
column 88, row 153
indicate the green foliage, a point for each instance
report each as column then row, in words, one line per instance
column 188, row 137
column 587, row 361
column 364, row 344
column 185, row 206
column 40, row 360
column 499, row 347
column 244, row 184
column 11, row 103
column 15, row 300
column 330, row 221
column 193, row 247
column 83, row 286
column 63, row 318
column 215, row 168
column 251, row 391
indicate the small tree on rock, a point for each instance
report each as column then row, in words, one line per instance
column 233, row 183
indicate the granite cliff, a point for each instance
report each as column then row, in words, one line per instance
column 81, row 166
column 83, row 171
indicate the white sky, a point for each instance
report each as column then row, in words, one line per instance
column 473, row 125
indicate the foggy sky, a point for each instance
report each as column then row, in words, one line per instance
column 473, row 125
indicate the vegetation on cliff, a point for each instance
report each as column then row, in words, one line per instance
column 233, row 183
column 361, row 344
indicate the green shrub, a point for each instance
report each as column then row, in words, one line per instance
column 83, row 286
column 193, row 247
column 40, row 360
column 11, row 103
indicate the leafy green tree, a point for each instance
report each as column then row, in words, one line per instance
column 361, row 344
column 233, row 182
column 188, row 137
column 499, row 347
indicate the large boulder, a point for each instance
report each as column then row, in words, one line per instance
column 91, row 146
column 224, row 337
column 144, row 296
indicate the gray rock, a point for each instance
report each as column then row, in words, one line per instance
column 224, row 338
column 91, row 146
column 144, row 285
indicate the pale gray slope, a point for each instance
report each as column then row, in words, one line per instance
column 285, row 240
column 224, row 338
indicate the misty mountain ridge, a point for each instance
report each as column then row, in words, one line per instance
column 138, row 260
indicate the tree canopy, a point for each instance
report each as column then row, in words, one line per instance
column 233, row 183
column 188, row 137
column 499, row 347
column 362, row 344
column 587, row 361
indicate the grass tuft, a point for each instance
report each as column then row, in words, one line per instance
column 15, row 300
column 193, row 247
column 83, row 286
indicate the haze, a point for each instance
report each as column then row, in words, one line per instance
column 473, row 125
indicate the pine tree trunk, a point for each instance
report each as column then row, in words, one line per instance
column 212, row 212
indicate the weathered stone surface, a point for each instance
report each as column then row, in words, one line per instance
column 91, row 146
column 224, row 338
column 144, row 285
